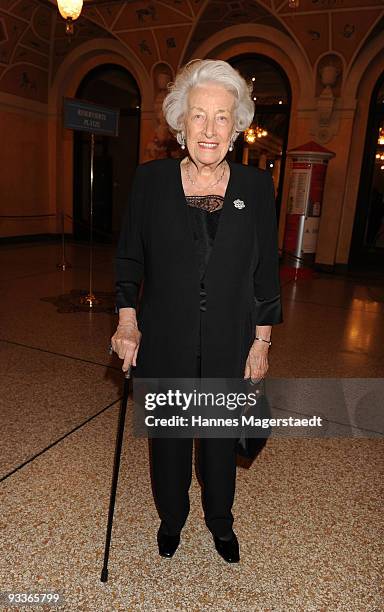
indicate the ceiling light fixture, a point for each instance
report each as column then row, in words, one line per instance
column 70, row 10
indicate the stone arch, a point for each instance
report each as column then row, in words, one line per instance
column 270, row 42
column 371, row 54
column 359, row 85
column 91, row 54
column 70, row 74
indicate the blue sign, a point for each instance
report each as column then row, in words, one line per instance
column 87, row 117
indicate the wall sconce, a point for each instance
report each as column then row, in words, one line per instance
column 293, row 3
column 70, row 10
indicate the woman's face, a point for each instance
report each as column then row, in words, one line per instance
column 209, row 123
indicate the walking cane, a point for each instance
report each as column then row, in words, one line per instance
column 116, row 467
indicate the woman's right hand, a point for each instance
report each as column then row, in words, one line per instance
column 125, row 342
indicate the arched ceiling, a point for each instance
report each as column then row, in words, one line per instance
column 33, row 42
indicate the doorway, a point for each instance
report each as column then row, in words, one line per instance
column 265, row 144
column 367, row 245
column 115, row 159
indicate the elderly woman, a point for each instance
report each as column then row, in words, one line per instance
column 201, row 234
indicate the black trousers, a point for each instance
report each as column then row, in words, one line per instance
column 172, row 475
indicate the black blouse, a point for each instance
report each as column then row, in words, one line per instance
column 204, row 215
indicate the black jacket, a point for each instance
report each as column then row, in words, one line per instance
column 241, row 278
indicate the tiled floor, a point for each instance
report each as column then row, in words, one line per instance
column 308, row 513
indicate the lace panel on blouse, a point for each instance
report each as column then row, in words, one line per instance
column 210, row 202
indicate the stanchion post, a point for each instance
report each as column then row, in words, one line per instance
column 94, row 119
column 90, row 299
column 64, row 265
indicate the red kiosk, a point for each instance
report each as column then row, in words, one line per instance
column 309, row 167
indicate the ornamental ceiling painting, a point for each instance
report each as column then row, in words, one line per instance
column 33, row 43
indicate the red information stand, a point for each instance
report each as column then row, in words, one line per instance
column 309, row 166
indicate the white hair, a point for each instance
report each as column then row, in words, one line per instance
column 197, row 72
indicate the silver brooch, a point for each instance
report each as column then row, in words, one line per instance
column 238, row 204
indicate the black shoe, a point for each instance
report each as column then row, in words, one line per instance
column 228, row 549
column 167, row 544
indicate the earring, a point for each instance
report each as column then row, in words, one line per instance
column 182, row 141
column 231, row 142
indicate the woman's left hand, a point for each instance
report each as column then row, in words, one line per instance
column 257, row 365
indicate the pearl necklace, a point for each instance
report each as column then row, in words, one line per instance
column 207, row 186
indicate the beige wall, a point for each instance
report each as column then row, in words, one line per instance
column 23, row 175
